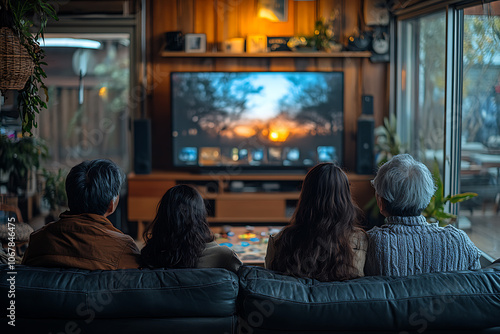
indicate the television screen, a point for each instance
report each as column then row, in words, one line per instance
column 257, row 119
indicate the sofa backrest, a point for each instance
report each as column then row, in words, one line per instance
column 271, row 302
column 93, row 297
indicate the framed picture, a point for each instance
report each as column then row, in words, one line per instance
column 256, row 43
column 273, row 10
column 195, row 43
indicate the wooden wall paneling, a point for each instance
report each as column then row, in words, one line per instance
column 232, row 17
column 329, row 64
column 185, row 16
column 352, row 86
column 163, row 14
column 305, row 64
column 351, row 16
column 241, row 64
column 305, row 18
column 351, row 106
column 326, row 7
column 375, row 82
column 281, row 64
column 248, row 15
column 204, row 20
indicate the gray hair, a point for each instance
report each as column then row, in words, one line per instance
column 405, row 185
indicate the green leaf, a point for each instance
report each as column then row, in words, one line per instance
column 462, row 197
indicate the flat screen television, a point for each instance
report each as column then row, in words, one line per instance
column 257, row 120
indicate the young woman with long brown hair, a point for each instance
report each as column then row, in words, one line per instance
column 179, row 236
column 323, row 240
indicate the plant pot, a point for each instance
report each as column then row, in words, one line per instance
column 16, row 65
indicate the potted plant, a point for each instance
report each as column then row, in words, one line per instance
column 387, row 145
column 435, row 212
column 19, row 160
column 21, row 57
column 54, row 193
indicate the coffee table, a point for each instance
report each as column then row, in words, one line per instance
column 249, row 242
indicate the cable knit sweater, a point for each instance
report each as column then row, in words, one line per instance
column 406, row 246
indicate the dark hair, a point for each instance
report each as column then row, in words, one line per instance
column 178, row 234
column 317, row 243
column 92, row 185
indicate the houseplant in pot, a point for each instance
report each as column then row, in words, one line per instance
column 20, row 158
column 54, row 193
column 22, row 25
column 435, row 211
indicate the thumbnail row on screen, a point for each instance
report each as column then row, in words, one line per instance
column 284, row 156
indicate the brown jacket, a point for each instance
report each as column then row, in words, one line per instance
column 85, row 241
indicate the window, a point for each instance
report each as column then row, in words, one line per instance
column 448, row 107
column 422, row 77
column 88, row 80
column 480, row 138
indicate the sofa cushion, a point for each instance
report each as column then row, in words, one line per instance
column 81, row 294
column 464, row 300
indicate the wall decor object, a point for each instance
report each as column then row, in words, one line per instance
column 174, row 41
column 376, row 12
column 278, row 44
column 256, row 43
column 273, row 10
column 195, row 43
column 234, row 45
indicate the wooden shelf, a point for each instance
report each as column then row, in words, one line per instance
column 281, row 54
column 258, row 195
column 258, row 220
column 158, row 175
column 145, row 191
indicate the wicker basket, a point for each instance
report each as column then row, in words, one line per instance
column 16, row 65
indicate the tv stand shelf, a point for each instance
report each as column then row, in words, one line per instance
column 251, row 204
column 281, row 54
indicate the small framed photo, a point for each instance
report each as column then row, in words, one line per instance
column 195, row 43
column 256, row 43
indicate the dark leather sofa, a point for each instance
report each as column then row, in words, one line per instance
column 255, row 301
column 121, row 301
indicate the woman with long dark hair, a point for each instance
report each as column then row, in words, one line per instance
column 179, row 236
column 323, row 240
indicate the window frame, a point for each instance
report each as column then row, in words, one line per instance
column 454, row 11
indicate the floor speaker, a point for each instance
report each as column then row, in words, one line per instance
column 365, row 158
column 142, row 146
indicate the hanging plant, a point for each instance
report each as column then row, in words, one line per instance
column 28, row 19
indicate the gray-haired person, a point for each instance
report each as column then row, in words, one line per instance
column 406, row 244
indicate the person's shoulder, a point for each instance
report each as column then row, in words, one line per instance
column 359, row 235
column 376, row 230
column 214, row 247
column 359, row 240
column 456, row 232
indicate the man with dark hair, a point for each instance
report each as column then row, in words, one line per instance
column 83, row 237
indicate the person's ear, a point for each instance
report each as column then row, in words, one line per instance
column 112, row 206
column 381, row 205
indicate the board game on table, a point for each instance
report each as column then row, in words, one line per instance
column 249, row 242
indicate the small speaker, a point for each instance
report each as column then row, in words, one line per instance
column 367, row 105
column 365, row 157
column 174, row 41
column 142, row 146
